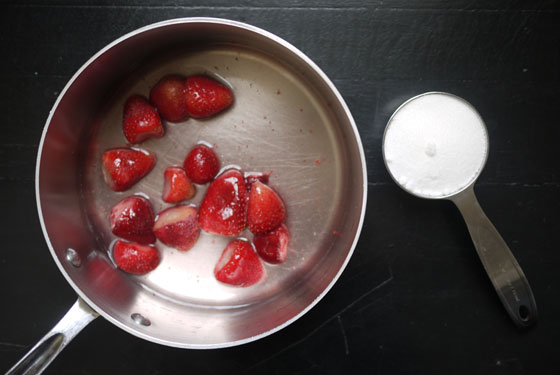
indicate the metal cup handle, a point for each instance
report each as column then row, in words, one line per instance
column 500, row 264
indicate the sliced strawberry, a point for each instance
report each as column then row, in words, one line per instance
column 168, row 96
column 133, row 219
column 123, row 167
column 252, row 177
column 135, row 258
column 206, row 97
column 177, row 186
column 223, row 209
column 177, row 227
column 266, row 210
column 140, row 120
column 273, row 246
column 239, row 265
column 201, row 164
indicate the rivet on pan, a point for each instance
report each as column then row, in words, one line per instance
column 73, row 257
column 139, row 319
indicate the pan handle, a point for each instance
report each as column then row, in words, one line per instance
column 43, row 353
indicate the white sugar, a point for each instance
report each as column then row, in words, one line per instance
column 435, row 145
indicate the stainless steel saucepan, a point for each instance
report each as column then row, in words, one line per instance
column 287, row 117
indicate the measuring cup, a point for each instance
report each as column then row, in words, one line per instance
column 409, row 151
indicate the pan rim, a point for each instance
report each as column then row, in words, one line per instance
column 306, row 60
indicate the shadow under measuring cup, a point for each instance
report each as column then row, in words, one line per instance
column 435, row 146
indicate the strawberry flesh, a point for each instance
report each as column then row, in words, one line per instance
column 123, row 167
column 135, row 258
column 140, row 120
column 201, row 164
column 239, row 265
column 133, row 219
column 177, row 227
column 206, row 97
column 223, row 209
column 252, row 177
column 168, row 96
column 265, row 210
column 177, row 186
column 273, row 246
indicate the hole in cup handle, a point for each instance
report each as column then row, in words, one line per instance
column 524, row 313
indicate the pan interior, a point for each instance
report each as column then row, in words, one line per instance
column 277, row 124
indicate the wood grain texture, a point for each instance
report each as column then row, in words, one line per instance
column 414, row 298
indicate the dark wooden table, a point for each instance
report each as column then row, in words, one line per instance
column 414, row 298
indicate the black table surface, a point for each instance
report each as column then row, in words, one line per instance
column 414, row 297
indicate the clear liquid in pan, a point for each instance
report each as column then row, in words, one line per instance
column 277, row 123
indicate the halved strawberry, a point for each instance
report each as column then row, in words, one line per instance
column 252, row 177
column 206, row 97
column 168, row 96
column 201, row 164
column 239, row 265
column 140, row 120
column 177, row 186
column 223, row 209
column 123, row 167
column 135, row 258
column 177, row 227
column 265, row 210
column 133, row 219
column 273, row 246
